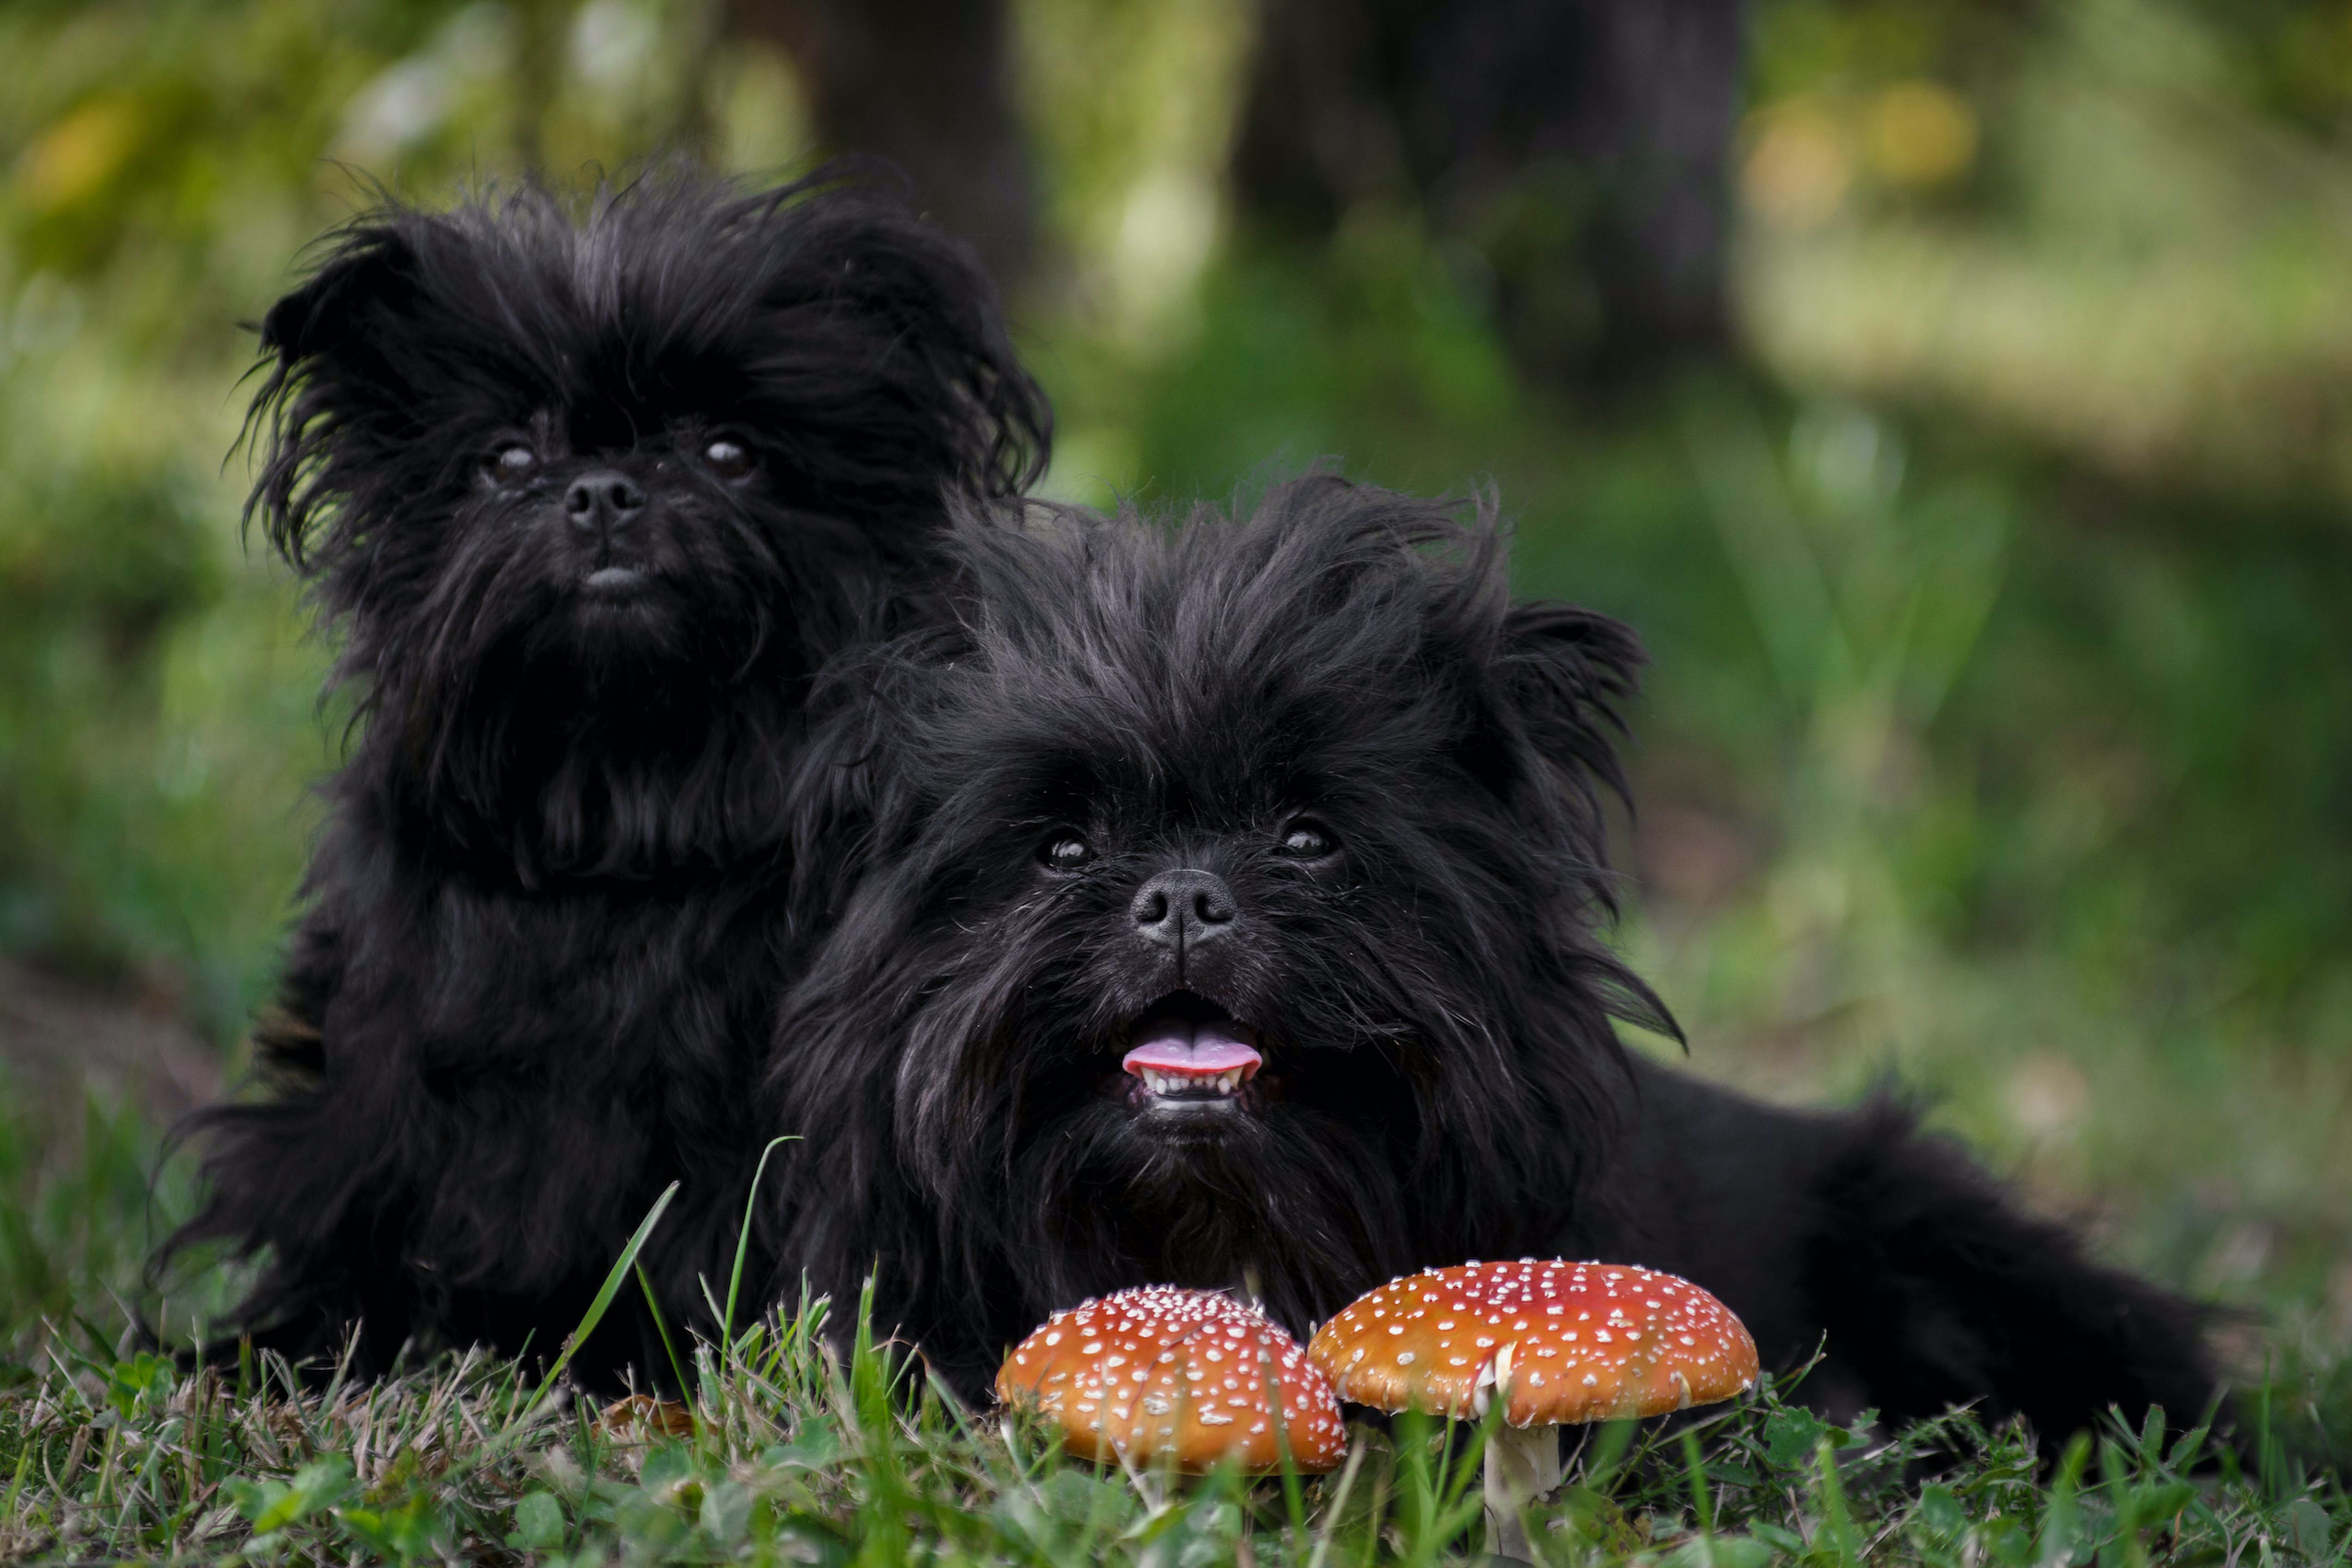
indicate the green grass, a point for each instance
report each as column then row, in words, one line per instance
column 785, row 1454
column 788, row 1456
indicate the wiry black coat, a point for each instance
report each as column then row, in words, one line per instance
column 1387, row 783
column 587, row 494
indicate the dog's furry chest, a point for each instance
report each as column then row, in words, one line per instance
column 517, row 1073
column 565, row 992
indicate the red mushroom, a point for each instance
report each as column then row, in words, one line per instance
column 1561, row 1343
column 1190, row 1376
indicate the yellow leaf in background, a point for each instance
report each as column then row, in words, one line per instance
column 78, row 156
column 1798, row 172
column 1921, row 134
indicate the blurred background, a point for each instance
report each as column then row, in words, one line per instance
column 1958, row 396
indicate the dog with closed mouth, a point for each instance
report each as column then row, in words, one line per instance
column 1230, row 917
column 587, row 491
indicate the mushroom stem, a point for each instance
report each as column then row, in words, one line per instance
column 1522, row 1464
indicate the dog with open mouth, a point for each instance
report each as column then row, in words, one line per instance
column 1230, row 917
column 586, row 490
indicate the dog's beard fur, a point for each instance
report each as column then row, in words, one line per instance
column 1383, row 1080
column 1431, row 1001
column 588, row 493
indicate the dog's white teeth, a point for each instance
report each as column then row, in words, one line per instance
column 1170, row 1083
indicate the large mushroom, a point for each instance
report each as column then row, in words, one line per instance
column 1188, row 1376
column 1559, row 1343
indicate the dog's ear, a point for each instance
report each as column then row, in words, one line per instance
column 1560, row 676
column 332, row 366
column 924, row 391
column 369, row 281
column 955, row 361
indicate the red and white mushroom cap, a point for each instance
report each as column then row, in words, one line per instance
column 1160, row 1372
column 1570, row 1343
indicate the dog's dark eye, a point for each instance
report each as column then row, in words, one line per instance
column 729, row 459
column 1065, row 852
column 1305, row 840
column 511, row 463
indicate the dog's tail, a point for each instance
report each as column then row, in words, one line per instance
column 1939, row 1288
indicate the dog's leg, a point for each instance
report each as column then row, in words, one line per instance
column 1937, row 1287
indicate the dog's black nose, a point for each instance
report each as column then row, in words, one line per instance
column 1183, row 908
column 603, row 500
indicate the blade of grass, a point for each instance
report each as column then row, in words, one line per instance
column 1338, row 1504
column 604, row 1300
column 670, row 1347
column 1702, row 1504
column 742, row 1241
column 16, row 1488
column 1836, row 1534
column 1294, row 1495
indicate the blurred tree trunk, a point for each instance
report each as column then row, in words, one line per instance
column 926, row 85
column 1581, row 146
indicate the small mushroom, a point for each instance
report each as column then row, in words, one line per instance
column 1191, row 1376
column 1559, row 1343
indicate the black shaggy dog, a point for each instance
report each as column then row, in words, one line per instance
column 588, row 495
column 1231, row 916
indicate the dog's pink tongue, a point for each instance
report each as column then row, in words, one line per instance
column 1177, row 1045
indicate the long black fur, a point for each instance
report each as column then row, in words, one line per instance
column 542, row 936
column 1441, row 1080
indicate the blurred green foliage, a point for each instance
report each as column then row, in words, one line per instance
column 2000, row 727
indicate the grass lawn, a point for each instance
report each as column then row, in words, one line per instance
column 788, row 1456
